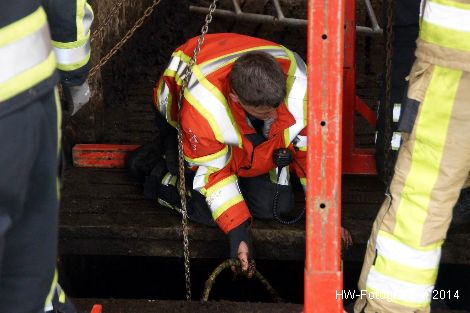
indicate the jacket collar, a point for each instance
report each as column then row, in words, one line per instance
column 284, row 118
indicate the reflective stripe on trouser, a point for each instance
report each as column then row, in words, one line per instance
column 403, row 252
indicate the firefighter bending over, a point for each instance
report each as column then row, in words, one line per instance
column 246, row 100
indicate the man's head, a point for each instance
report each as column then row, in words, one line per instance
column 258, row 83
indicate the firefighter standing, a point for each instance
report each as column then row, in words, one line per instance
column 404, row 250
column 30, row 122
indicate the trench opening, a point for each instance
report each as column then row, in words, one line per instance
column 124, row 277
column 125, row 116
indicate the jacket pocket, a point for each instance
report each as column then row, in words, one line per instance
column 419, row 78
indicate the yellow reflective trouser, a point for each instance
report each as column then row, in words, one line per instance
column 403, row 252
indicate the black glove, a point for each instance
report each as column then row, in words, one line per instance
column 77, row 97
column 236, row 236
column 169, row 140
column 172, row 158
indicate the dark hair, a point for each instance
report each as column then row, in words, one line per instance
column 258, row 80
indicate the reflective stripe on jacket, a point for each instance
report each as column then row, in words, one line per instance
column 26, row 56
column 31, row 50
column 70, row 23
column 214, row 128
column 444, row 37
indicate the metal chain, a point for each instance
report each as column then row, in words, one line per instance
column 126, row 37
column 103, row 25
column 388, row 110
column 182, row 181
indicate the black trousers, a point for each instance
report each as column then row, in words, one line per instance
column 28, row 205
column 258, row 193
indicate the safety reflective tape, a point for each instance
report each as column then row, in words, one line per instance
column 396, row 141
column 87, row 19
column 177, row 65
column 296, row 96
column 404, row 272
column 447, row 24
column 396, row 112
column 69, row 59
column 164, row 99
column 215, row 111
column 300, row 142
column 58, row 107
column 220, row 194
column 445, row 38
column 23, row 27
column 431, row 129
column 284, row 177
column 394, row 290
column 394, row 250
column 225, row 206
column 27, row 79
column 83, row 18
column 166, row 179
column 61, row 293
column 200, row 179
column 211, row 66
column 448, row 16
column 17, row 57
column 50, row 295
column 216, row 160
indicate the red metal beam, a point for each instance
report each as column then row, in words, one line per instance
column 101, row 155
column 355, row 161
column 323, row 276
column 365, row 111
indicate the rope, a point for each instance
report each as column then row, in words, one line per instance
column 232, row 262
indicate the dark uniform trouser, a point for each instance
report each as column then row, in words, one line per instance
column 28, row 204
column 258, row 193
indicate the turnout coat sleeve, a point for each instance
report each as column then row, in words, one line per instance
column 70, row 23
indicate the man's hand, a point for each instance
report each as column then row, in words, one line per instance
column 346, row 238
column 241, row 249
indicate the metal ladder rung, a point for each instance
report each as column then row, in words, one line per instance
column 280, row 19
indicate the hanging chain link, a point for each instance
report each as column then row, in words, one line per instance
column 97, row 32
column 388, row 106
column 182, row 181
column 126, row 37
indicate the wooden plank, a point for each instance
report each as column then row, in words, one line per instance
column 175, row 306
column 104, row 212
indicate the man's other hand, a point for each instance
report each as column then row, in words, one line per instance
column 241, row 249
column 346, row 238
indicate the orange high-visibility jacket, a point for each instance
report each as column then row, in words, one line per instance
column 214, row 127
